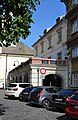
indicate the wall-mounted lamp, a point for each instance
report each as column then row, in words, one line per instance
column 16, row 62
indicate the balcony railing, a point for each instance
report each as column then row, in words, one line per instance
column 59, row 62
column 47, row 61
column 56, row 62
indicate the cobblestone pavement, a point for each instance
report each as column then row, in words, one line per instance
column 16, row 110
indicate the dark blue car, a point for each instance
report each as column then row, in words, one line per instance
column 59, row 98
column 25, row 93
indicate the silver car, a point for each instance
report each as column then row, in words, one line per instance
column 42, row 95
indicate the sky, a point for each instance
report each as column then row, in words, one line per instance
column 44, row 17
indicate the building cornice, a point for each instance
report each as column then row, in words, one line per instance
column 72, row 12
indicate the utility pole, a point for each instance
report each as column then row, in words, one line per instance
column 5, row 72
column 38, row 75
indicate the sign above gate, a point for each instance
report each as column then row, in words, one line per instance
column 42, row 70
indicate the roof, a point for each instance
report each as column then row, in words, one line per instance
column 61, row 19
column 20, row 49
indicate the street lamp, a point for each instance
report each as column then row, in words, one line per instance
column 16, row 63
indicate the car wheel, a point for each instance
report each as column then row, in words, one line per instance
column 20, row 98
column 68, row 118
column 46, row 103
column 9, row 97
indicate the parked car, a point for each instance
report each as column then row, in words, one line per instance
column 23, row 96
column 42, row 95
column 71, row 109
column 14, row 89
column 59, row 98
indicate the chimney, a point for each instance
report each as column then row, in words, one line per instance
column 45, row 31
column 58, row 19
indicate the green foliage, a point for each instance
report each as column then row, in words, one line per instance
column 16, row 20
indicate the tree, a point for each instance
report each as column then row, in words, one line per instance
column 15, row 20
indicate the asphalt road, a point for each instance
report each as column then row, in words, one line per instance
column 16, row 110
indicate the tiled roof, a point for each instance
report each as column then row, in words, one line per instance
column 20, row 49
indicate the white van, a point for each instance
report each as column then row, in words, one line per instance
column 14, row 89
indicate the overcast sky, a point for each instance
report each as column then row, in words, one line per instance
column 44, row 17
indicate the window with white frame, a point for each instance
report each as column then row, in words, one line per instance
column 75, row 79
column 42, row 47
column 49, row 42
column 75, row 25
column 75, row 52
column 59, row 36
column 74, row 2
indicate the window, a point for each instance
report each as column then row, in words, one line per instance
column 74, row 52
column 59, row 55
column 42, row 47
column 65, row 91
column 12, row 85
column 74, row 96
column 65, row 54
column 74, row 2
column 59, row 36
column 49, row 42
column 75, row 79
column 75, row 26
column 52, row 62
column 24, row 85
column 36, row 50
column 44, row 61
column 49, row 90
column 49, row 57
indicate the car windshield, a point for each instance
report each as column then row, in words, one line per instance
column 24, row 85
column 74, row 97
column 12, row 85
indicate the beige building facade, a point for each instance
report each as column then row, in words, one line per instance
column 53, row 43
column 10, row 57
column 50, row 64
column 72, row 38
column 41, row 72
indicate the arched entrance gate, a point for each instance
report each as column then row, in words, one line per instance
column 52, row 80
